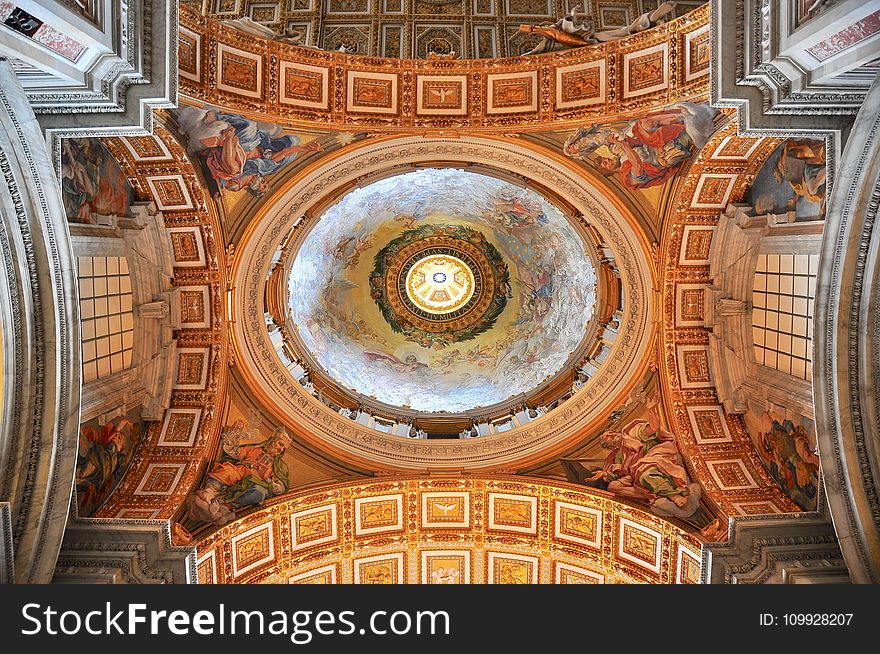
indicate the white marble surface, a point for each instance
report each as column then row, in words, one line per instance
column 846, row 367
column 38, row 452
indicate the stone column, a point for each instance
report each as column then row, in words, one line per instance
column 39, row 416
column 846, row 365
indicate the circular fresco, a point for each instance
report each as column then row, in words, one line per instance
column 440, row 284
column 441, row 290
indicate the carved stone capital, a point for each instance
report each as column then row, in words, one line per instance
column 776, row 549
column 123, row 551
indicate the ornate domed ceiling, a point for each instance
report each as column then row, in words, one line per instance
column 555, row 331
column 442, row 290
column 345, row 316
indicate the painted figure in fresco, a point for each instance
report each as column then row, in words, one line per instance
column 410, row 362
column 240, row 153
column 644, row 463
column 407, row 221
column 513, row 213
column 250, row 26
column 538, row 294
column 448, row 575
column 788, row 456
column 91, row 182
column 793, row 179
column 104, row 453
column 245, row 475
column 648, row 150
column 802, row 165
column 570, row 32
column 350, row 248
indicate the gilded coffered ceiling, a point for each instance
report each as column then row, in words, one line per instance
column 496, row 271
column 472, row 29
column 451, row 531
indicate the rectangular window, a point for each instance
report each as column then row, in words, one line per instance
column 782, row 316
column 106, row 314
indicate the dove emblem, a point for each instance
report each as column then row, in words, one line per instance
column 445, row 508
column 440, row 94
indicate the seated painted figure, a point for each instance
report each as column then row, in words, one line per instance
column 246, row 476
column 644, row 463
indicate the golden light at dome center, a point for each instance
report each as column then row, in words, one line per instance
column 440, row 283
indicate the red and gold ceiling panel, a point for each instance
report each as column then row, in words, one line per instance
column 716, row 444
column 436, row 531
column 171, row 455
column 309, row 87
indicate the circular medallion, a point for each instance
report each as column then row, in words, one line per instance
column 439, row 284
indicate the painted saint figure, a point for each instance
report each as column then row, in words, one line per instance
column 802, row 165
column 569, row 32
column 246, row 475
column 644, row 463
column 240, row 153
column 104, row 453
column 788, row 455
column 649, row 150
column 92, row 183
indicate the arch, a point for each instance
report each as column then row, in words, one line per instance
column 847, row 347
column 40, row 341
column 474, row 529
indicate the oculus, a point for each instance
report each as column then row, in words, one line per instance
column 440, row 284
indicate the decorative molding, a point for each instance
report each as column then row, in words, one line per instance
column 123, row 551
column 40, row 340
column 290, row 401
column 126, row 70
column 791, row 548
column 411, row 30
column 7, row 552
column 711, row 438
column 847, row 348
column 772, row 79
column 186, row 254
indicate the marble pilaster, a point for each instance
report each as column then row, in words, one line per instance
column 40, row 326
column 847, row 347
